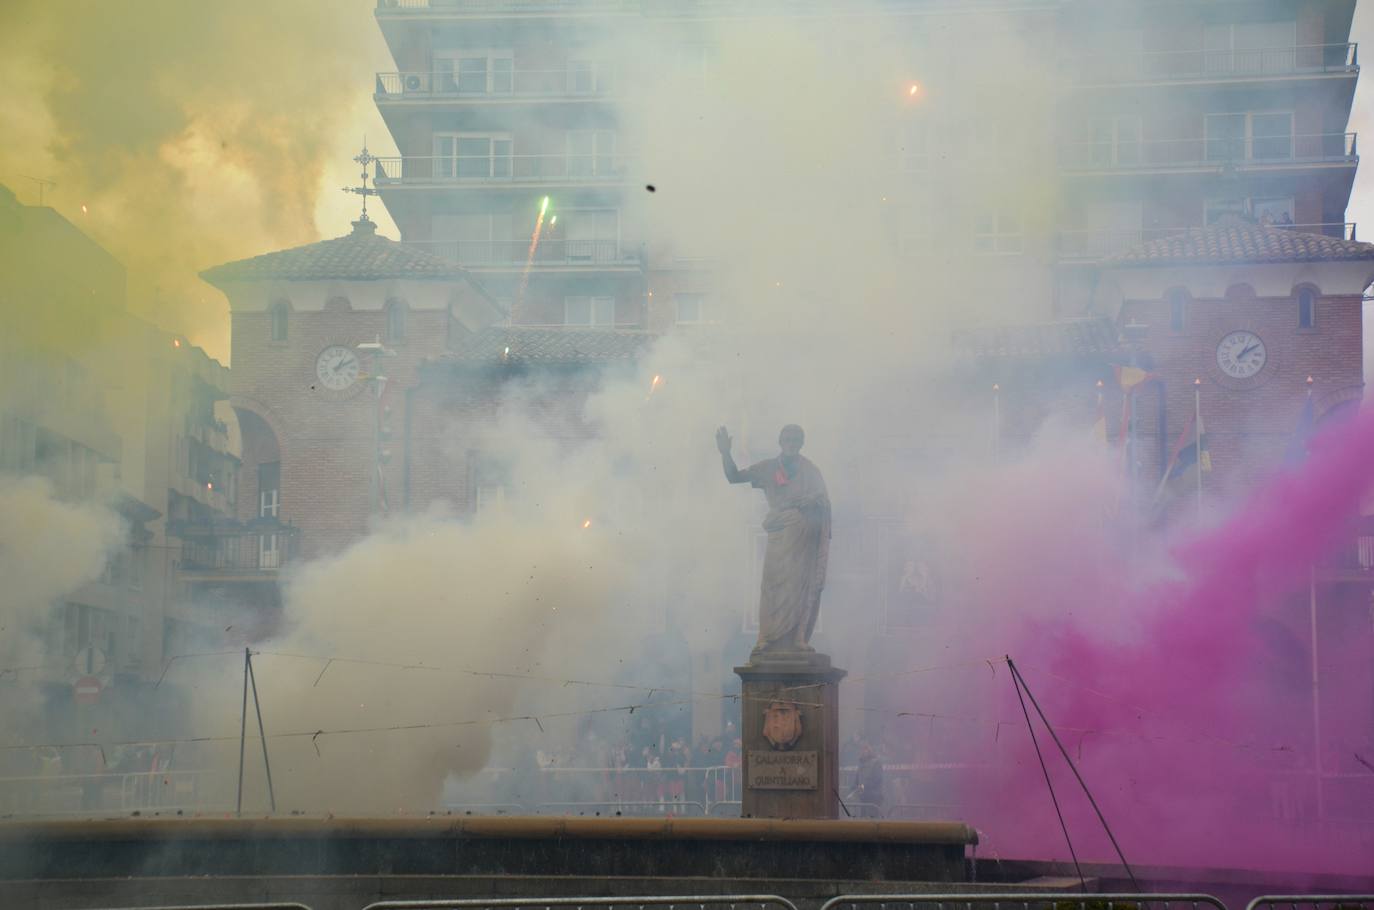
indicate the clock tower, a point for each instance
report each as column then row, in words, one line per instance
column 1243, row 313
column 327, row 339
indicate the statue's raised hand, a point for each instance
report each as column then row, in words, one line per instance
column 723, row 441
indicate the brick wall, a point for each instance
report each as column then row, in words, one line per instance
column 327, row 439
column 1249, row 422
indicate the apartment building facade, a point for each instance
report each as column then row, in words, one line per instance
column 116, row 415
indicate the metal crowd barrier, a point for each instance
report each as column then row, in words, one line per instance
column 486, row 809
column 634, row 809
column 1313, row 902
column 689, row 902
column 1026, row 901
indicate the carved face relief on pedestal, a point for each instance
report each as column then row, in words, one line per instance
column 782, row 724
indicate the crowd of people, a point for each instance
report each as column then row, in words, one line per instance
column 659, row 771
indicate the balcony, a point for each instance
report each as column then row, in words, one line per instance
column 1353, row 560
column 1091, row 246
column 1109, row 68
column 256, row 551
column 572, row 83
column 1286, row 151
column 552, row 253
column 498, row 170
column 509, row 7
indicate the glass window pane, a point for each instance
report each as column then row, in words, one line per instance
column 1272, row 136
column 443, row 75
column 501, row 157
column 502, row 69
column 581, row 77
column 472, row 74
column 604, row 310
column 1225, row 137
column 474, row 157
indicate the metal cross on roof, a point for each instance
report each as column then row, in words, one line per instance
column 364, row 158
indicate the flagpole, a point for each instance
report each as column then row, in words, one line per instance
column 1316, row 692
column 1197, row 440
column 1316, row 674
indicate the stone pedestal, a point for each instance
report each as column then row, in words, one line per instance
column 790, row 711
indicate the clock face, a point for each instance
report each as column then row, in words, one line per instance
column 337, row 367
column 1241, row 355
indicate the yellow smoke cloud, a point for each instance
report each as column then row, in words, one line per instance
column 192, row 133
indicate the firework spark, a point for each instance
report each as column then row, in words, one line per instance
column 529, row 257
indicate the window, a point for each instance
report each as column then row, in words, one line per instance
column 1249, row 136
column 1115, row 141
column 591, row 153
column 489, row 479
column 277, row 321
column 599, row 311
column 1250, row 47
column 1178, row 310
column 997, row 231
column 591, row 235
column 269, row 489
column 475, row 72
column 586, row 77
column 1307, row 308
column 694, row 309
column 1275, row 210
column 395, row 320
column 269, row 551
column 472, row 157
column 477, row 239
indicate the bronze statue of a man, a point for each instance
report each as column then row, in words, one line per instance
column 798, row 526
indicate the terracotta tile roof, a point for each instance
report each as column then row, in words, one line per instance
column 1242, row 242
column 552, row 345
column 1069, row 338
column 360, row 256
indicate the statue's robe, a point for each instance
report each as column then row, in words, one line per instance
column 798, row 526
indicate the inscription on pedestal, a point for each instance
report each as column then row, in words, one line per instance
column 782, row 770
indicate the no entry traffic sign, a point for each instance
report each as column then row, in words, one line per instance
column 86, row 690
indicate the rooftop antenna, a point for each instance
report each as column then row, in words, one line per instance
column 364, row 158
column 42, row 182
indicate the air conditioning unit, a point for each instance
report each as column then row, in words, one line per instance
column 412, row 83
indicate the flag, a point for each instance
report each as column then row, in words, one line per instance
column 1296, row 452
column 1130, row 377
column 1100, row 421
column 1190, row 455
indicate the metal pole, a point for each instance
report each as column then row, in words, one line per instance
column 1197, row 442
column 262, row 734
column 1316, row 692
column 243, row 732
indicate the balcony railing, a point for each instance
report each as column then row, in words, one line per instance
column 506, row 6
column 515, row 253
column 241, row 550
column 1209, row 152
column 572, row 82
column 1163, row 66
column 503, row 169
column 1091, row 245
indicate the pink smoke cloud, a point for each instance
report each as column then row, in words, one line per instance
column 1177, row 669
